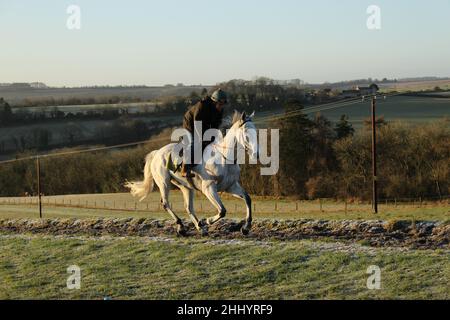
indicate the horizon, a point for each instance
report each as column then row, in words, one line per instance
column 305, row 83
column 155, row 43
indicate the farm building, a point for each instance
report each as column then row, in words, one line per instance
column 360, row 91
column 372, row 89
column 353, row 93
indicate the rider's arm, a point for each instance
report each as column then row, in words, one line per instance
column 198, row 116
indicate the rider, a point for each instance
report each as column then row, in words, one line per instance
column 210, row 112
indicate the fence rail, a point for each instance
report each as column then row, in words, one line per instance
column 233, row 206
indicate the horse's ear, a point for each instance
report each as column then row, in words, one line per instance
column 243, row 116
column 252, row 115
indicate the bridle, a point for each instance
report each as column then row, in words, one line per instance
column 245, row 121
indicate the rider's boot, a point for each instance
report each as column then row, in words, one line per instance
column 186, row 171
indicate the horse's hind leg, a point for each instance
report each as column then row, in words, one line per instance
column 164, row 189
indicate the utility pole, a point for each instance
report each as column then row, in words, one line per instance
column 38, row 173
column 374, row 158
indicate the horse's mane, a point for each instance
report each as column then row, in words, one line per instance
column 230, row 120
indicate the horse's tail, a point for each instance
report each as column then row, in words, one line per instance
column 141, row 189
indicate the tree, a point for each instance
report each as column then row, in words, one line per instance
column 5, row 112
column 72, row 133
column 296, row 143
column 344, row 128
column 193, row 98
column 321, row 159
column 379, row 122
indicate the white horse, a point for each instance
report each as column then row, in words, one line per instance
column 215, row 174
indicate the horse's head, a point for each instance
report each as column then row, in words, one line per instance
column 246, row 134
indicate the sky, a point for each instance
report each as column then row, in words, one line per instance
column 152, row 42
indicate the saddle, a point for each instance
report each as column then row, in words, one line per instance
column 173, row 165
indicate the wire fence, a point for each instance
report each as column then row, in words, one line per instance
column 113, row 203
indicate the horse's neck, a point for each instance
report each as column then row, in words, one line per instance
column 229, row 142
column 226, row 144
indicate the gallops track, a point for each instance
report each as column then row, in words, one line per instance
column 419, row 234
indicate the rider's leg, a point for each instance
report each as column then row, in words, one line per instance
column 188, row 164
column 186, row 170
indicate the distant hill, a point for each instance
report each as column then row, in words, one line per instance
column 17, row 93
column 416, row 79
column 24, row 85
column 404, row 84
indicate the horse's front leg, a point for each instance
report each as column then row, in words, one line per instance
column 188, row 195
column 209, row 189
column 237, row 191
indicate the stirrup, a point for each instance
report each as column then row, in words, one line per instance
column 187, row 174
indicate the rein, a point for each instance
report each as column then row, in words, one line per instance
column 223, row 147
column 228, row 148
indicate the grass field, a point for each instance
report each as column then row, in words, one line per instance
column 86, row 130
column 16, row 96
column 397, row 108
column 124, row 205
column 34, row 267
column 417, row 85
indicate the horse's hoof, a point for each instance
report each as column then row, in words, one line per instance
column 204, row 232
column 181, row 231
column 245, row 231
column 202, row 223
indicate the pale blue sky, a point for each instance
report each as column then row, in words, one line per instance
column 206, row 41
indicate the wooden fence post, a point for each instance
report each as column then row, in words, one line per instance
column 38, row 173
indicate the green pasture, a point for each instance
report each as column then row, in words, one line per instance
column 35, row 267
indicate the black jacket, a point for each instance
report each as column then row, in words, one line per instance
column 204, row 111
